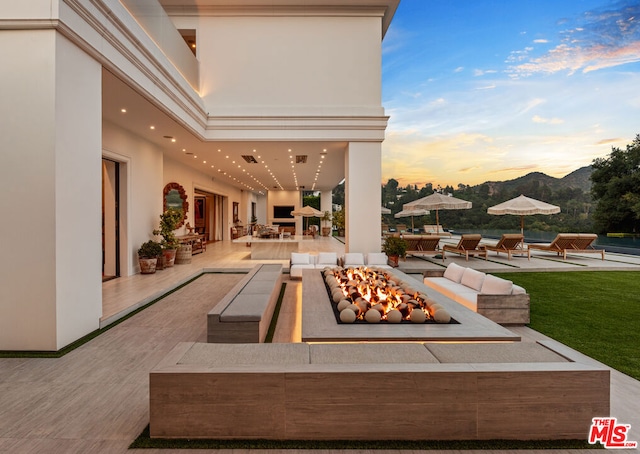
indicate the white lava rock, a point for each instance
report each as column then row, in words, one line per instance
column 347, row 316
column 442, row 316
column 418, row 316
column 394, row 316
column 343, row 304
column 372, row 316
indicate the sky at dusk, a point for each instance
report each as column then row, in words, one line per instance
column 489, row 90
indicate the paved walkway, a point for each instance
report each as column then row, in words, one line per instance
column 95, row 399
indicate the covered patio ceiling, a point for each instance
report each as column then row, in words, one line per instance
column 257, row 166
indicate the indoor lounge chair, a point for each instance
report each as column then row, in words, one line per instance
column 570, row 242
column 468, row 245
column 510, row 244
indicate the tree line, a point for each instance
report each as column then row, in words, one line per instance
column 611, row 205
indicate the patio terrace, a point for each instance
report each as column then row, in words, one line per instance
column 95, row 399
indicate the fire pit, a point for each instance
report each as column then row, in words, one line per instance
column 371, row 295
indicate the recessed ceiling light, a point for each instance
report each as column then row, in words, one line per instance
column 173, row 140
column 152, row 127
column 123, row 110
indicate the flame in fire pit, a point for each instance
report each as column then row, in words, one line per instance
column 374, row 295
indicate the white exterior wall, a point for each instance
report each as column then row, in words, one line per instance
column 295, row 65
column 363, row 173
column 143, row 196
column 50, row 277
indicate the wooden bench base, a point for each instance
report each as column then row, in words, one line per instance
column 374, row 391
column 244, row 314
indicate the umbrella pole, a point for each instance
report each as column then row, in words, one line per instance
column 522, row 225
column 437, row 223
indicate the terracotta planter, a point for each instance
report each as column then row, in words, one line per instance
column 168, row 257
column 393, row 260
column 147, row 266
column 326, row 231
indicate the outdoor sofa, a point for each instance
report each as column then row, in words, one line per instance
column 497, row 299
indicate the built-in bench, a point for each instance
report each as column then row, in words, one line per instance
column 376, row 391
column 497, row 299
column 244, row 314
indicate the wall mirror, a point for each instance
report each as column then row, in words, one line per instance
column 175, row 198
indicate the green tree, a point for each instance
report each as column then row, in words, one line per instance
column 616, row 189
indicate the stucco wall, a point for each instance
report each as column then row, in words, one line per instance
column 290, row 65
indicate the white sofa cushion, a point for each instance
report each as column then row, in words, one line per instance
column 493, row 285
column 354, row 259
column 517, row 290
column 454, row 272
column 472, row 279
column 327, row 259
column 376, row 258
column 300, row 258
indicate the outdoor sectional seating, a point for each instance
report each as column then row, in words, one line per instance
column 303, row 260
column 497, row 299
column 565, row 243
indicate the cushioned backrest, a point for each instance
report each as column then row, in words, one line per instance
column 354, row 259
column 493, row 285
column 300, row 258
column 327, row 258
column 472, row 279
column 376, row 258
column 454, row 272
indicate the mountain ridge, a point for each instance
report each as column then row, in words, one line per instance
column 578, row 179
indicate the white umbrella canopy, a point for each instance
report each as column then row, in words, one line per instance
column 412, row 213
column 385, row 210
column 523, row 206
column 307, row 212
column 437, row 201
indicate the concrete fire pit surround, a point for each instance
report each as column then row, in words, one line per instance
column 319, row 322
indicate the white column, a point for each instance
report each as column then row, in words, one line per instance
column 50, row 283
column 326, row 200
column 363, row 173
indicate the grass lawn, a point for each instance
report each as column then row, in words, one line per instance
column 594, row 312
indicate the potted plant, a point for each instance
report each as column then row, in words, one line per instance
column 338, row 221
column 326, row 218
column 148, row 256
column 169, row 221
column 395, row 247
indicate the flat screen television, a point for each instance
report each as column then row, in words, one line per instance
column 282, row 211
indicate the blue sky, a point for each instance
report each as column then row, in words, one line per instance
column 491, row 90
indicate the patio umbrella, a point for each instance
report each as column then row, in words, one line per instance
column 307, row 212
column 385, row 210
column 522, row 206
column 412, row 213
column 437, row 201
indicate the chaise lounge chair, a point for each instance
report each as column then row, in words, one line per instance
column 570, row 242
column 423, row 245
column 468, row 245
column 510, row 244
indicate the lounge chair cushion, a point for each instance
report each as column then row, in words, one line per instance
column 354, row 259
column 454, row 272
column 327, row 259
column 376, row 258
column 298, row 258
column 472, row 279
column 493, row 285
